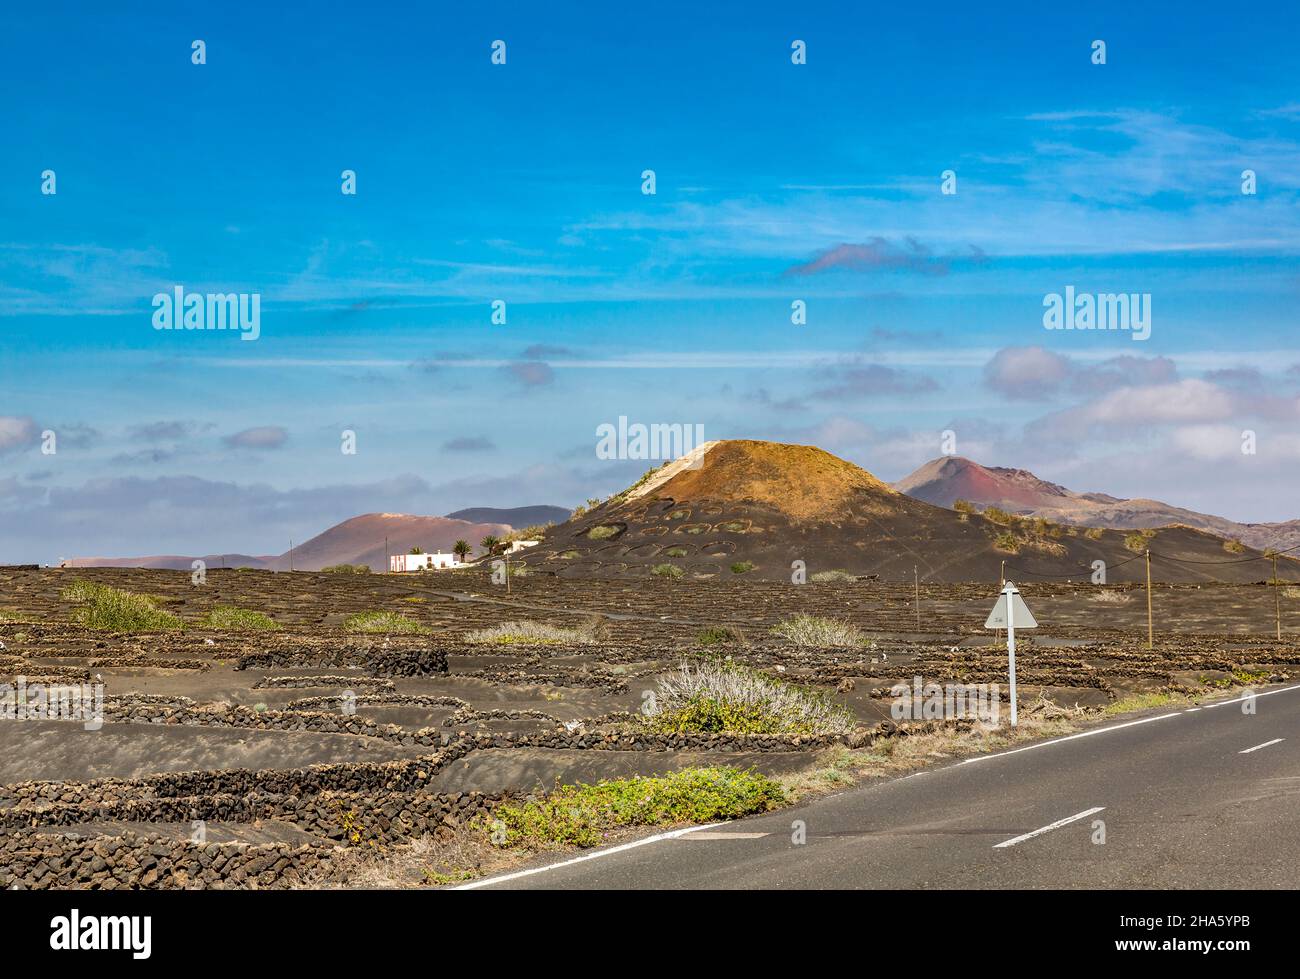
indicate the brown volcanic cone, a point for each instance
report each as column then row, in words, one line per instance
column 802, row 481
column 752, row 508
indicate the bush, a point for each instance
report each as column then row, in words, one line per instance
column 724, row 698
column 1093, row 533
column 387, row 622
column 1007, row 542
column 741, row 567
column 239, row 620
column 602, row 532
column 675, row 552
column 963, row 506
column 667, row 571
column 715, row 634
column 828, row 576
column 581, row 815
column 1139, row 540
column 1234, row 547
column 814, row 631
column 108, row 608
column 347, row 569
column 526, row 633
column 999, row 516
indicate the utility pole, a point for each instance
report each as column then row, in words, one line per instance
column 388, row 563
column 916, row 584
column 1150, row 620
column 506, row 554
column 290, row 553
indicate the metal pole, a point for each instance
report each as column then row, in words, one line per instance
column 1011, row 646
column 291, row 554
column 1150, row 620
column 388, row 562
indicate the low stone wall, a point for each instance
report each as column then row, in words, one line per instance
column 38, row 861
column 374, row 660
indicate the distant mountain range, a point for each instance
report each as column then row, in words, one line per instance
column 774, row 511
column 945, row 480
column 360, row 540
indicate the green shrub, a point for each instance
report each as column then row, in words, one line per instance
column 102, row 607
column 386, row 622
column 239, row 620
column 1234, row 547
column 1007, row 542
column 815, row 631
column 603, row 532
column 675, row 552
column 725, row 698
column 347, row 569
column 581, row 815
column 963, row 506
column 741, row 567
column 1093, row 533
column 667, row 571
column 715, row 634
column 1139, row 540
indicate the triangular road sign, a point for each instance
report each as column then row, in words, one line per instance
column 998, row 617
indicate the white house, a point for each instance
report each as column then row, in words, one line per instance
column 518, row 545
column 422, row 562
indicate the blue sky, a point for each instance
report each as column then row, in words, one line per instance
column 522, row 182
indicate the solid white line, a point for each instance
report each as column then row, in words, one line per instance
column 1049, row 827
column 1258, row 746
column 1191, row 710
column 1070, row 737
column 1247, row 696
column 487, row 882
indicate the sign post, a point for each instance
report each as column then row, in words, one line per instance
column 1009, row 612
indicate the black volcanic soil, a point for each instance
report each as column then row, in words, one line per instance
column 1090, row 650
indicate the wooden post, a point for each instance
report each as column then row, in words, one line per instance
column 388, row 562
column 1277, row 599
column 1150, row 620
column 291, row 554
column 916, row 583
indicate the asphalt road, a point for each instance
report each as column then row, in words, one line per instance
column 1189, row 798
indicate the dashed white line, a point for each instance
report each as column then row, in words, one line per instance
column 674, row 834
column 1048, row 828
column 1246, row 751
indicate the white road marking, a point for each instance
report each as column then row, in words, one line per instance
column 723, row 835
column 1191, row 710
column 1258, row 746
column 1248, row 696
column 1070, row 737
column 1049, row 827
column 674, row 834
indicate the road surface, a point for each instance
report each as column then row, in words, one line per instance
column 1183, row 798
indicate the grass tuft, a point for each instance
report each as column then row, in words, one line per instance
column 386, row 622
column 725, row 698
column 115, row 610
column 528, row 633
column 815, row 631
column 239, row 620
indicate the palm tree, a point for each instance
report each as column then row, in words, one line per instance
column 461, row 549
column 490, row 543
column 416, row 550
